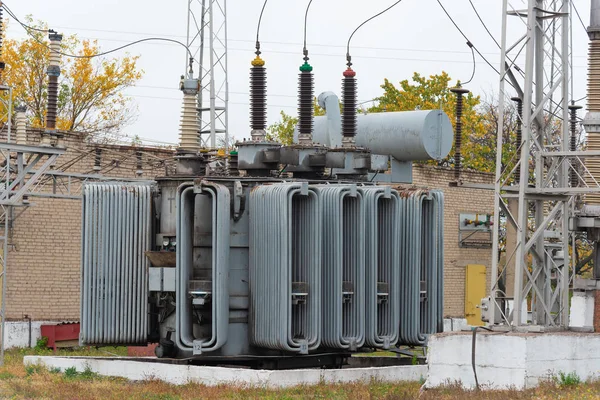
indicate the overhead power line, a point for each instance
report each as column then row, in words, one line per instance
column 466, row 38
column 29, row 29
column 579, row 16
column 484, row 24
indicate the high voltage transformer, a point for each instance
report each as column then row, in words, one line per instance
column 273, row 255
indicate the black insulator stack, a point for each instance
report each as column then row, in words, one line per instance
column 2, row 65
column 573, row 145
column 53, row 72
column 138, row 156
column 97, row 159
column 460, row 92
column 51, row 111
column 258, row 95
column 305, row 102
column 233, row 163
column 519, row 132
column 349, row 126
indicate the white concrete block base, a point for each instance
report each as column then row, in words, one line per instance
column 213, row 376
column 455, row 324
column 511, row 360
column 17, row 333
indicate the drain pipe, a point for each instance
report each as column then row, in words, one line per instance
column 28, row 318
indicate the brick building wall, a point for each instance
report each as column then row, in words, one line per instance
column 43, row 271
column 458, row 200
column 44, row 256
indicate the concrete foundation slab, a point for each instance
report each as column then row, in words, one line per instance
column 211, row 376
column 511, row 360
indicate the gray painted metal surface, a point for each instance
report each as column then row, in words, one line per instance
column 114, row 290
column 195, row 295
column 383, row 266
column 595, row 15
column 343, row 257
column 422, row 261
column 406, row 135
column 285, row 268
column 300, row 269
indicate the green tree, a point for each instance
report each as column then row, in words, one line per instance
column 283, row 131
column 433, row 92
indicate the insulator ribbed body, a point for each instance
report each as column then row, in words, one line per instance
column 593, row 100
column 21, row 125
column 305, row 103
column 349, row 125
column 573, row 145
column 54, row 53
column 189, row 129
column 258, row 98
column 519, row 138
column 458, row 136
column 52, row 106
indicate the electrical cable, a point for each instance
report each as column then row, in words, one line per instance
column 466, row 38
column 474, row 63
column 27, row 28
column 21, row 23
column 579, row 16
column 473, row 341
column 483, row 23
column 348, row 58
column 258, row 26
column 304, row 50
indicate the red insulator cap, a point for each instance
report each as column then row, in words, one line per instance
column 349, row 72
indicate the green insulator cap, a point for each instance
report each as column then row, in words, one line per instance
column 233, row 153
column 306, row 67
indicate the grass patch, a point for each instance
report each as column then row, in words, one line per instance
column 566, row 380
column 36, row 382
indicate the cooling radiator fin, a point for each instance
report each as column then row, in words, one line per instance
column 285, row 267
column 116, row 231
column 422, row 262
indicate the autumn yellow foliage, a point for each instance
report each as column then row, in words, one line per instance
column 91, row 99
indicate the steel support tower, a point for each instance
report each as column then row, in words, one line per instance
column 207, row 41
column 541, row 194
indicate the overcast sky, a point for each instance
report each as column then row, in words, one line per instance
column 414, row 36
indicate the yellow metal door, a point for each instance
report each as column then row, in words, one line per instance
column 475, row 291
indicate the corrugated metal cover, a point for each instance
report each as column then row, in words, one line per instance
column 343, row 240
column 285, row 267
column 422, row 265
column 383, row 266
column 114, row 284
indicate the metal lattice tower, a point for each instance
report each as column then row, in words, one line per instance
column 207, row 40
column 541, row 197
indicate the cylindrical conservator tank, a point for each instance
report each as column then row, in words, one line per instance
column 405, row 135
